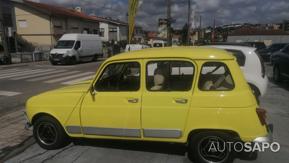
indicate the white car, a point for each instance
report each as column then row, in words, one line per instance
column 251, row 65
column 133, row 47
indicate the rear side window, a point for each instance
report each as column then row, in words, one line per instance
column 215, row 76
column 241, row 58
column 169, row 75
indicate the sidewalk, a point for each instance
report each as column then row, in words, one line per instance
column 12, row 131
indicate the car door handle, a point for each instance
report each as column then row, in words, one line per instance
column 181, row 100
column 132, row 100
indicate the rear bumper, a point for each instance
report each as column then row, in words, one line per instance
column 268, row 138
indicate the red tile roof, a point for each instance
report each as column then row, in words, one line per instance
column 256, row 31
column 58, row 11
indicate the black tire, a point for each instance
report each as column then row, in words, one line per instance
column 52, row 62
column 49, row 133
column 94, row 58
column 256, row 92
column 276, row 74
column 198, row 144
column 72, row 61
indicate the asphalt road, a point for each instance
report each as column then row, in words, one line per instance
column 276, row 102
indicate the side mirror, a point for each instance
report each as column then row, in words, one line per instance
column 92, row 91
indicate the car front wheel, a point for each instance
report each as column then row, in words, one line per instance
column 49, row 134
column 210, row 147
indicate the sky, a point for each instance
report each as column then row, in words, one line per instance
column 224, row 11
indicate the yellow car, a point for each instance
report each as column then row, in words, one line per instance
column 182, row 95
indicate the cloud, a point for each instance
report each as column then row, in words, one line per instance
column 224, row 11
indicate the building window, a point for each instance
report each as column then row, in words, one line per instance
column 112, row 29
column 58, row 26
column 95, row 31
column 101, row 32
column 22, row 23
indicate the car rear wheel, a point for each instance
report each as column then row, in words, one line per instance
column 49, row 134
column 210, row 147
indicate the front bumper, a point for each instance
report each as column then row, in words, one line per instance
column 28, row 124
column 268, row 138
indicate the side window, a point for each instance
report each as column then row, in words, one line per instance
column 77, row 45
column 286, row 50
column 215, row 76
column 169, row 75
column 119, row 77
column 241, row 58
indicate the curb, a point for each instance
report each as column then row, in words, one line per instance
column 13, row 65
column 10, row 152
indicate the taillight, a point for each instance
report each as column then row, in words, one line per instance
column 262, row 115
column 263, row 71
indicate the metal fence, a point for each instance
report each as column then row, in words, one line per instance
column 22, row 57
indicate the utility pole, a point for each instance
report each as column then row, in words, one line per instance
column 169, row 20
column 189, row 22
column 6, row 57
column 214, row 30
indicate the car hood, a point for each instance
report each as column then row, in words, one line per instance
column 59, row 51
column 76, row 88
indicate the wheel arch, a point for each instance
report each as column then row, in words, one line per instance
column 38, row 115
column 227, row 131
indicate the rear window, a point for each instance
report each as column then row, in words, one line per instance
column 215, row 76
column 241, row 58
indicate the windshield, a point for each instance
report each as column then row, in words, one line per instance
column 64, row 44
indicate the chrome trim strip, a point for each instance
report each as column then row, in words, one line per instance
column 121, row 132
column 162, row 133
column 73, row 129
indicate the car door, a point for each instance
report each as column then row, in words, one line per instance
column 114, row 107
column 166, row 98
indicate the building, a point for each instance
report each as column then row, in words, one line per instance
column 258, row 34
column 42, row 24
column 110, row 29
column 7, row 25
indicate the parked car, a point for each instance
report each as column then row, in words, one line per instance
column 133, row 47
column 251, row 65
column 257, row 45
column 159, row 43
column 266, row 53
column 73, row 48
column 180, row 95
column 280, row 62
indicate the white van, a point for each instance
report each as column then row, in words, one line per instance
column 73, row 48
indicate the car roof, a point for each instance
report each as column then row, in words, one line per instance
column 196, row 53
column 234, row 47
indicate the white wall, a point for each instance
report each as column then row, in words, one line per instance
column 267, row 39
column 105, row 27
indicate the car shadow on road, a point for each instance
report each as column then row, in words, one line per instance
column 147, row 146
column 156, row 147
column 283, row 84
